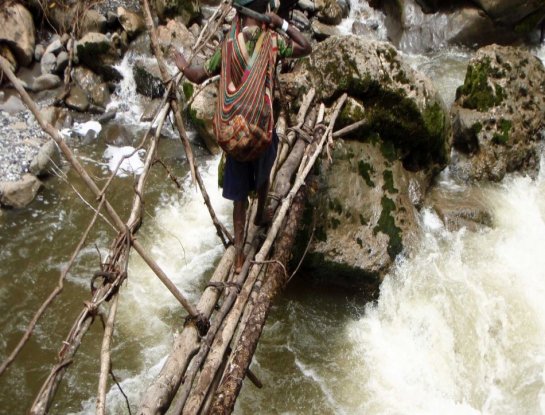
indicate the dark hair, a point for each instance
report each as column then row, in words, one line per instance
column 259, row 6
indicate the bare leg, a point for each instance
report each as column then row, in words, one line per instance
column 262, row 217
column 239, row 220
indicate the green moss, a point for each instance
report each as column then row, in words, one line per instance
column 188, row 90
column 434, row 119
column 386, row 225
column 476, row 90
column 388, row 150
column 476, row 128
column 504, row 127
column 364, row 169
column 389, row 182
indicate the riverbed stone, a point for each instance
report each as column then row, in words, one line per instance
column 62, row 62
column 97, row 52
column 186, row 10
column 148, row 78
column 498, row 114
column 509, row 11
column 20, row 193
column 132, row 22
column 201, row 112
column 46, row 160
column 323, row 31
column 48, row 63
column 45, row 82
column 77, row 99
column 8, row 55
column 174, row 36
column 93, row 21
column 330, row 11
column 18, row 32
column 55, row 46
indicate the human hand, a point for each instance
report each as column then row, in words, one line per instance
column 180, row 61
column 276, row 21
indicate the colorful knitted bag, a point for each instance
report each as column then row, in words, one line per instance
column 243, row 121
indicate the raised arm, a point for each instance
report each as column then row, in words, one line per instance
column 194, row 73
column 301, row 46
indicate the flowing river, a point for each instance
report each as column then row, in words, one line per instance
column 459, row 327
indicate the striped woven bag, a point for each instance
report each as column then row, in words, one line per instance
column 243, row 121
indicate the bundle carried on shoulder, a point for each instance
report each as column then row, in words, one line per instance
column 243, row 122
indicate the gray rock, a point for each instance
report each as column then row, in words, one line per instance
column 329, row 11
column 300, row 21
column 46, row 160
column 498, row 114
column 307, row 5
column 46, row 81
column 148, row 79
column 39, row 52
column 77, row 99
column 62, row 62
column 48, row 63
column 95, row 49
column 174, row 35
column 117, row 135
column 323, row 31
column 100, row 95
column 20, row 193
column 131, row 22
column 93, row 21
column 54, row 47
column 202, row 112
column 17, row 30
column 509, row 11
column 150, row 110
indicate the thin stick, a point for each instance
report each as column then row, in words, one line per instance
column 348, row 129
column 105, row 362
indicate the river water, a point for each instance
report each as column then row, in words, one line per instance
column 459, row 327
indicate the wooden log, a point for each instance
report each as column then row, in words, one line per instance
column 160, row 393
column 237, row 367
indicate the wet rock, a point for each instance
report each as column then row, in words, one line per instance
column 8, row 55
column 93, row 21
column 46, row 160
column 148, row 78
column 367, row 201
column 498, row 114
column 363, row 214
column 56, row 116
column 174, row 35
column 132, row 23
column 460, row 208
column 96, row 51
column 307, row 5
column 48, row 63
column 150, row 110
column 330, row 11
column 45, row 82
column 18, row 32
column 54, row 47
column 322, row 31
column 100, row 95
column 39, row 52
column 77, row 99
column 117, row 135
column 510, row 11
column 20, row 193
column 61, row 63
column 300, row 20
column 202, row 112
column 186, row 10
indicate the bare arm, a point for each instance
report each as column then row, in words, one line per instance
column 195, row 74
column 301, row 46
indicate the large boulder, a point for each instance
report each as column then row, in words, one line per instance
column 510, row 11
column 132, row 22
column 367, row 199
column 174, row 35
column 201, row 112
column 147, row 78
column 17, row 31
column 97, row 52
column 498, row 114
column 330, row 11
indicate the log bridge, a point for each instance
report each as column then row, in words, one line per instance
column 211, row 356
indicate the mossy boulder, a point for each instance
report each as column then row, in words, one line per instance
column 364, row 213
column 498, row 114
column 400, row 104
column 147, row 78
column 97, row 52
column 509, row 11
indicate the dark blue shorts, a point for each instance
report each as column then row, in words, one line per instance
column 242, row 177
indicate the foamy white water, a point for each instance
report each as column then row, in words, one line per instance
column 129, row 159
column 460, row 328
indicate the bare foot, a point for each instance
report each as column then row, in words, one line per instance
column 264, row 219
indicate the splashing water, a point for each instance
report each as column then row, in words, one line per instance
column 459, row 328
column 364, row 16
